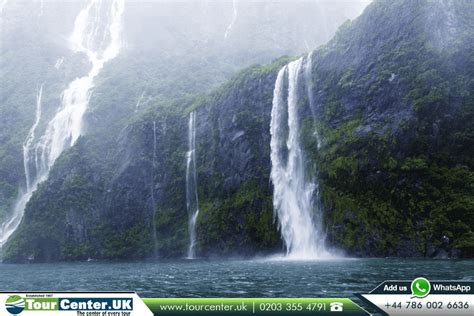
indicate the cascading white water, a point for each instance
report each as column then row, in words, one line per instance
column 10, row 225
column 299, row 221
column 29, row 140
column 96, row 34
column 152, row 189
column 192, row 201
column 137, row 105
column 59, row 62
column 66, row 127
column 309, row 83
column 234, row 18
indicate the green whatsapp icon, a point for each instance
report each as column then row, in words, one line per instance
column 420, row 287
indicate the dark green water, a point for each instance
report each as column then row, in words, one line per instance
column 228, row 278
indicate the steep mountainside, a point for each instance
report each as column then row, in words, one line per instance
column 132, row 202
column 393, row 100
column 157, row 55
column 385, row 110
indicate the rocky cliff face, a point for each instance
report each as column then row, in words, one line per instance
column 163, row 59
column 131, row 202
column 233, row 143
column 392, row 97
column 386, row 112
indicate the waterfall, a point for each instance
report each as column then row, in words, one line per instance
column 152, row 189
column 234, row 18
column 66, row 127
column 299, row 218
column 137, row 105
column 11, row 223
column 96, row 34
column 192, row 201
column 29, row 140
column 59, row 62
column 309, row 84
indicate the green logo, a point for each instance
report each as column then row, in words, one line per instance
column 420, row 287
column 15, row 304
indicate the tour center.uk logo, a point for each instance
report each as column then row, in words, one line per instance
column 15, row 304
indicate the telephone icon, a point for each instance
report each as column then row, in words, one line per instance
column 336, row 307
column 419, row 288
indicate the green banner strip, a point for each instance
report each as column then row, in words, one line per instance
column 251, row 306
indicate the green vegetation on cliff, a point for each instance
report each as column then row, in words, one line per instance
column 395, row 119
column 386, row 117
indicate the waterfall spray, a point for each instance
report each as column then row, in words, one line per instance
column 299, row 218
column 192, row 201
column 98, row 37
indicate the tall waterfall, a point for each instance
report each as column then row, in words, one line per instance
column 96, row 34
column 299, row 218
column 153, row 200
column 29, row 140
column 192, row 201
column 12, row 222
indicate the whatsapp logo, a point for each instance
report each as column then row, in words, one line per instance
column 420, row 287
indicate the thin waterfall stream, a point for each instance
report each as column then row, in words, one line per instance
column 192, row 200
column 153, row 200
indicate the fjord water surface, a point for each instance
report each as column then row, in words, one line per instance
column 229, row 278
